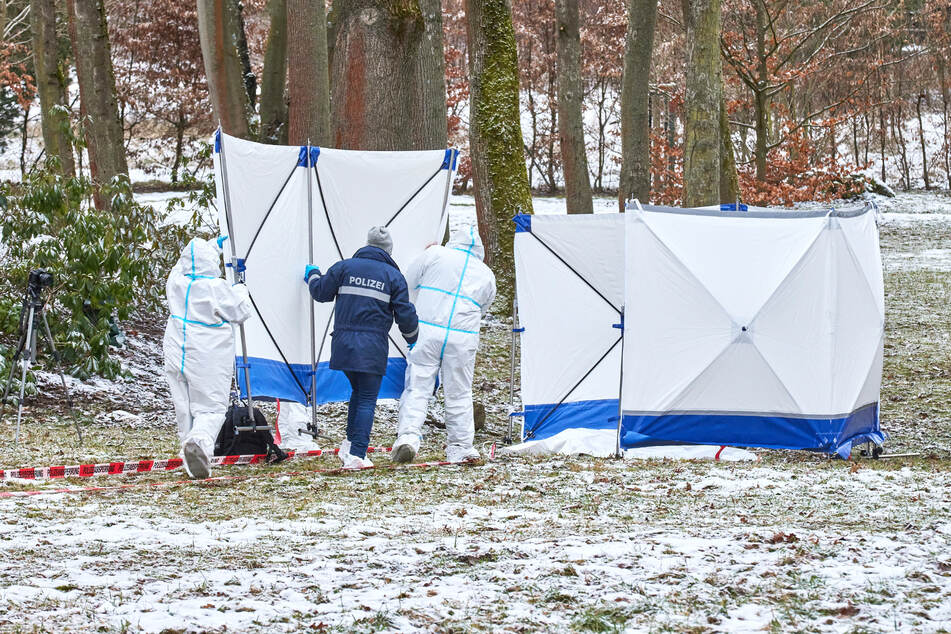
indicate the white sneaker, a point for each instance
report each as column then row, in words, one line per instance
column 405, row 448
column 197, row 465
column 344, row 450
column 353, row 462
column 456, row 453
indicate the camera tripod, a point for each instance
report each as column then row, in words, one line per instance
column 32, row 319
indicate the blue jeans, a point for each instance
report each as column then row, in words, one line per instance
column 365, row 388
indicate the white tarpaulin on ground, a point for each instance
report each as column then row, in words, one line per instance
column 285, row 203
column 756, row 328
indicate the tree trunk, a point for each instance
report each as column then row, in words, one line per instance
column 704, row 84
column 388, row 70
column 574, row 157
column 274, row 75
column 247, row 73
column 921, row 140
column 24, row 141
column 495, row 134
column 943, row 84
column 180, row 126
column 97, row 94
column 308, row 114
column 51, row 85
column 635, row 89
column 729, row 180
column 760, row 98
column 218, row 31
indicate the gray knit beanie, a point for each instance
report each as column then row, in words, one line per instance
column 380, row 237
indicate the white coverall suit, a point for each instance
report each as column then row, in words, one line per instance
column 199, row 341
column 295, row 417
column 452, row 289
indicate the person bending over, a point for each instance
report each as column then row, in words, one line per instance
column 370, row 292
column 199, row 348
column 452, row 289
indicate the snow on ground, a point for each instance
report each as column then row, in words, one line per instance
column 793, row 542
column 557, row 545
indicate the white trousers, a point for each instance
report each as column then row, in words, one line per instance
column 199, row 415
column 453, row 360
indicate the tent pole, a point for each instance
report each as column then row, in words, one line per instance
column 313, row 343
column 509, row 438
column 445, row 198
column 620, row 391
column 238, row 274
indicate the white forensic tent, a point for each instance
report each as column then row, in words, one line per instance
column 761, row 328
column 286, row 206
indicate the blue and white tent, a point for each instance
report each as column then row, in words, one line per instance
column 758, row 328
column 286, row 206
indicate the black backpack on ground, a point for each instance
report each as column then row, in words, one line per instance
column 234, row 443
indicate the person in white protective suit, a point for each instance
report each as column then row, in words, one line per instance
column 199, row 348
column 293, row 424
column 452, row 289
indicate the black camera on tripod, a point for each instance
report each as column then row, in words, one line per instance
column 39, row 279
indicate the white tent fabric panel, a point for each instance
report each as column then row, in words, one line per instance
column 797, row 306
column 568, row 303
column 740, row 263
column 270, row 189
column 753, row 328
column 671, row 358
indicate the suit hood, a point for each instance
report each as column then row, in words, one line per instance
column 467, row 239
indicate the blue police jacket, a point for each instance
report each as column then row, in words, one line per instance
column 370, row 292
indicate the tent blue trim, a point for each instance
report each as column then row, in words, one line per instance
column 576, row 415
column 270, row 378
column 825, row 434
column 218, row 141
column 733, row 207
column 523, row 223
column 449, row 159
column 302, row 156
column 314, row 154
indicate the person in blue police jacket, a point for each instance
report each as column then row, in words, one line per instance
column 370, row 292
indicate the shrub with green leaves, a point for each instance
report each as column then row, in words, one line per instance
column 106, row 264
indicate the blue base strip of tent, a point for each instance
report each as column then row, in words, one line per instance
column 572, row 415
column 272, row 379
column 825, row 434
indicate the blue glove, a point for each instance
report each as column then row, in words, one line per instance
column 309, row 270
column 221, row 241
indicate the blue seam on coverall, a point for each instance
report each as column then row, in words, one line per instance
column 223, row 322
column 439, row 290
column 429, row 323
column 191, row 280
column 462, row 277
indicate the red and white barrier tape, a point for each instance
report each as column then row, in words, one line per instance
column 146, row 466
column 216, row 479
